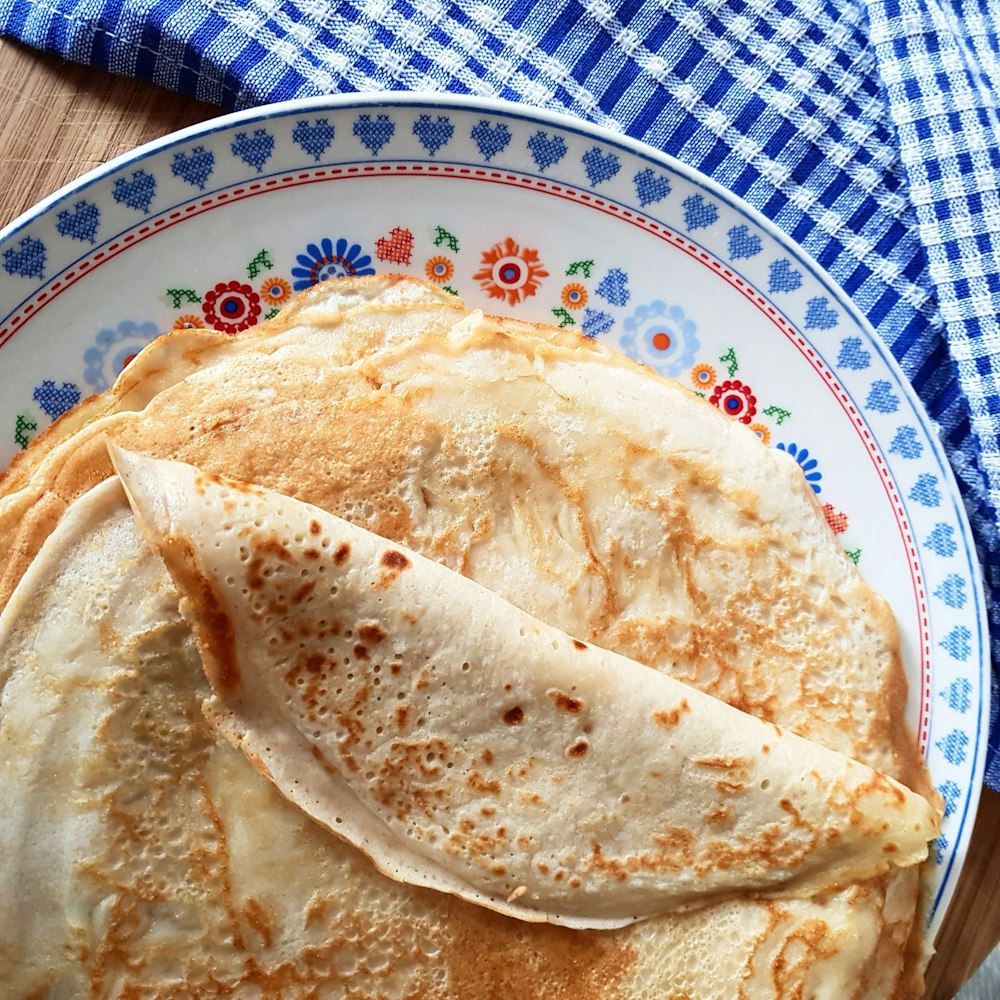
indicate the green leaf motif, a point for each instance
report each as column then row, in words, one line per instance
column 777, row 414
column 564, row 317
column 178, row 296
column 261, row 262
column 23, row 427
column 441, row 235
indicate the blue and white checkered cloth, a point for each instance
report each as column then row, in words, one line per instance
column 868, row 130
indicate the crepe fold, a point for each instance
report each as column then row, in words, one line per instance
column 468, row 747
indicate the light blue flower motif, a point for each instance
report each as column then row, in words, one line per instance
column 328, row 261
column 661, row 336
column 113, row 350
column 807, row 463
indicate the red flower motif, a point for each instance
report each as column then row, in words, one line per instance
column 735, row 399
column 231, row 307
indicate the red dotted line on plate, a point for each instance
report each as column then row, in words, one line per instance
column 321, row 174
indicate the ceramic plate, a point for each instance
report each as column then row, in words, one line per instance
column 543, row 218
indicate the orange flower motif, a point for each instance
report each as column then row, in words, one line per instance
column 510, row 272
column 703, row 376
column 762, row 431
column 189, row 322
column 275, row 291
column 574, row 295
column 439, row 269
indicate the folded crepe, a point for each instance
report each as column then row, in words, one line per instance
column 144, row 855
column 467, row 747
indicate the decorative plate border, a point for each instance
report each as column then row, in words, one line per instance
column 108, row 211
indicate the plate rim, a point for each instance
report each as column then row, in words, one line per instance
column 568, row 122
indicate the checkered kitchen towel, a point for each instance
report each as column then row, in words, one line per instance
column 868, row 131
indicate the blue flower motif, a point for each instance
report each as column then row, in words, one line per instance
column 328, row 261
column 661, row 336
column 807, row 463
column 113, row 350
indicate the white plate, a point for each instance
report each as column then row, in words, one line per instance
column 545, row 218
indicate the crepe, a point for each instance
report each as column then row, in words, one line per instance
column 575, row 484
column 467, row 747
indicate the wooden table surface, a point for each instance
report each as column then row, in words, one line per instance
column 58, row 120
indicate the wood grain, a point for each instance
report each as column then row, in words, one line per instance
column 60, row 120
column 972, row 926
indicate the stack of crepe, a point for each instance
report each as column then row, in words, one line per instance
column 459, row 658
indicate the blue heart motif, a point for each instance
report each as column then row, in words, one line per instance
column 54, row 399
column 925, row 490
column 546, row 149
column 906, row 443
column 194, row 167
column 600, row 166
column 315, row 139
column 254, row 150
column 650, row 187
column 782, row 277
column 939, row 847
column 951, row 793
column 956, row 694
column 820, row 315
column 743, row 244
column 942, row 540
column 699, row 213
column 137, row 191
column 596, row 322
column 491, row 139
column 954, row 746
column 433, row 133
column 952, row 591
column 881, row 397
column 28, row 260
column 80, row 222
column 614, row 287
column 956, row 642
column 374, row 133
column 853, row 355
